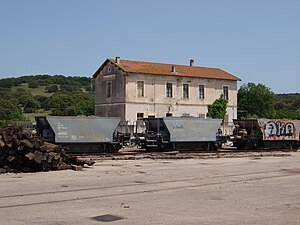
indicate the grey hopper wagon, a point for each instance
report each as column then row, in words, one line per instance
column 179, row 133
column 80, row 134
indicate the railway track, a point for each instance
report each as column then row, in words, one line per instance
column 133, row 154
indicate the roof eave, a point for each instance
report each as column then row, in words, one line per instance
column 104, row 64
column 182, row 75
column 100, row 68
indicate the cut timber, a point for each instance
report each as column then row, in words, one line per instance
column 20, row 152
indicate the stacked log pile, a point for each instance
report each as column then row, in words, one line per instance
column 20, row 152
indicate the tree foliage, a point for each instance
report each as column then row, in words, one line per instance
column 287, row 106
column 9, row 109
column 217, row 110
column 33, row 84
column 256, row 100
column 46, row 80
column 52, row 88
column 66, row 104
column 71, row 96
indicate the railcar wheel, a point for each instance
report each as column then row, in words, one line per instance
column 240, row 145
column 113, row 148
column 295, row 146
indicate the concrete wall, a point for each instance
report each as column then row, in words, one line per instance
column 156, row 103
column 112, row 106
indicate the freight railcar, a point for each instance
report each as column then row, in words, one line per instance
column 266, row 133
column 176, row 133
column 80, row 134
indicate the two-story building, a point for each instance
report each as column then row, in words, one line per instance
column 134, row 90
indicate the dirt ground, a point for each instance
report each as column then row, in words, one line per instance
column 249, row 190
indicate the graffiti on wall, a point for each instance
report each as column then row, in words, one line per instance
column 279, row 130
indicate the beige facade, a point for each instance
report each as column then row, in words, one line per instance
column 133, row 94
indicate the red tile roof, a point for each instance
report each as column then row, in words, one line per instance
column 166, row 69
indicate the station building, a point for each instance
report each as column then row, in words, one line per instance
column 134, row 90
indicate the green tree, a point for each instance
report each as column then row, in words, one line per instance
column 70, row 111
column 33, row 84
column 256, row 100
column 59, row 102
column 85, row 107
column 26, row 100
column 217, row 110
column 52, row 88
column 69, row 88
column 31, row 105
column 9, row 110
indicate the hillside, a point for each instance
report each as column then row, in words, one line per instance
column 287, row 106
column 24, row 97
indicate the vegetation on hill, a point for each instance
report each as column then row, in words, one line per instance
column 257, row 100
column 287, row 106
column 34, row 81
column 45, row 94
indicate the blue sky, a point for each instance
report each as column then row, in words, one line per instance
column 256, row 40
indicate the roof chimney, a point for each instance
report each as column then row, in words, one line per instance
column 192, row 62
column 118, row 59
column 173, row 69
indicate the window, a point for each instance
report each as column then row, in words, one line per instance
column 108, row 69
column 185, row 115
column 140, row 88
column 201, row 115
column 169, row 90
column 185, row 91
column 201, row 91
column 225, row 92
column 108, row 89
column 169, row 114
column 140, row 116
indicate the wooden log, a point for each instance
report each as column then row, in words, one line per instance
column 55, row 155
column 2, row 144
column 43, row 148
column 26, row 143
column 37, row 143
column 10, row 158
column 8, row 169
column 6, row 138
column 9, row 144
column 50, row 158
column 52, row 147
column 64, row 166
column 76, row 168
column 55, row 164
column 16, row 143
column 39, row 157
column 25, row 135
column 45, row 166
column 30, row 156
column 20, row 147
